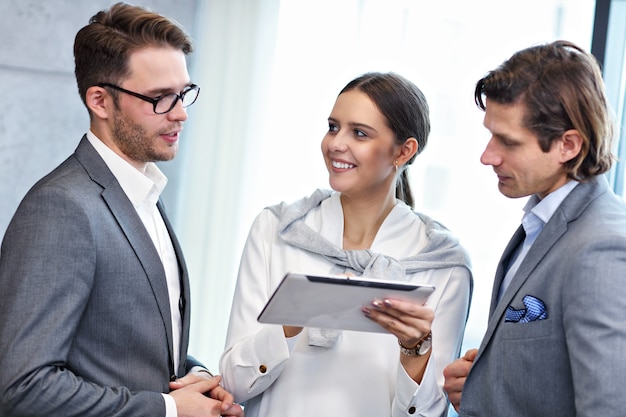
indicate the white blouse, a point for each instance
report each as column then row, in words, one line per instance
column 360, row 375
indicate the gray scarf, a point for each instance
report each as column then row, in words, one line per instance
column 442, row 251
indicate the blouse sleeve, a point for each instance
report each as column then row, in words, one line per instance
column 451, row 309
column 255, row 353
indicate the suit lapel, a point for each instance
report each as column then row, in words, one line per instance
column 125, row 214
column 184, row 289
column 140, row 240
column 551, row 233
column 569, row 210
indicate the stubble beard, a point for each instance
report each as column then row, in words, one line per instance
column 133, row 140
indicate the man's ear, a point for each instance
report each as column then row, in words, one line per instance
column 99, row 102
column 407, row 150
column 570, row 143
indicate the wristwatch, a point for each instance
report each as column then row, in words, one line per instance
column 421, row 349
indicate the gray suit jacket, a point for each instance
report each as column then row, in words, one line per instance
column 570, row 363
column 85, row 324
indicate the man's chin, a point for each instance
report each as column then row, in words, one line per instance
column 511, row 193
column 166, row 155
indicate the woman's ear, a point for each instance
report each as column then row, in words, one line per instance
column 571, row 143
column 99, row 102
column 407, row 150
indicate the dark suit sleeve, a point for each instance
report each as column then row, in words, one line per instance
column 47, row 265
column 192, row 362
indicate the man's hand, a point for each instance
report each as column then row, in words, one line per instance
column 455, row 375
column 199, row 394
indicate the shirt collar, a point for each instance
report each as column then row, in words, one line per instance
column 544, row 209
column 140, row 187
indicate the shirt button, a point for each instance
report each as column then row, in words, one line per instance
column 263, row 369
column 412, row 410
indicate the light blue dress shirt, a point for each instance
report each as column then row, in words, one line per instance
column 537, row 213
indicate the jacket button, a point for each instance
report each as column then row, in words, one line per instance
column 263, row 369
column 411, row 410
column 173, row 377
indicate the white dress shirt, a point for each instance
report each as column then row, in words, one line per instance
column 537, row 213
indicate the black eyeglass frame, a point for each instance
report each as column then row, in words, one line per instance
column 155, row 101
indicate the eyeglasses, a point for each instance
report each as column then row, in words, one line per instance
column 166, row 103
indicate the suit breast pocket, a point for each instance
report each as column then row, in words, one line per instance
column 532, row 330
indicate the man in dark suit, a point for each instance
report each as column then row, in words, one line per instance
column 94, row 318
column 555, row 340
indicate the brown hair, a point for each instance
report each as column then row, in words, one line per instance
column 561, row 87
column 405, row 108
column 101, row 48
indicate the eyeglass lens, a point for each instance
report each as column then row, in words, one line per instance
column 167, row 102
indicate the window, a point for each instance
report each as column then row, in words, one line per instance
column 610, row 48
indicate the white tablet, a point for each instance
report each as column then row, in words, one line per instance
column 334, row 301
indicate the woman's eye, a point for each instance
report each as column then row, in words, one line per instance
column 359, row 133
column 332, row 127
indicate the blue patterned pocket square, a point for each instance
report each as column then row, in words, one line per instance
column 535, row 310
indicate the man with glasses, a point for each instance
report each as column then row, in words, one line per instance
column 94, row 319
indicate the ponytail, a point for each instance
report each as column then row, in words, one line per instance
column 403, row 188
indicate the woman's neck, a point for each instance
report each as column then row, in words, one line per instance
column 362, row 220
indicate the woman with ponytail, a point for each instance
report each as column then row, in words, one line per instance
column 364, row 226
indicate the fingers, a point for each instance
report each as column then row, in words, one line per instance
column 234, row 410
column 209, row 387
column 455, row 399
column 227, row 399
column 460, row 368
column 193, row 378
column 455, row 375
column 408, row 321
column 191, row 399
column 454, row 380
column 404, row 310
column 470, row 355
column 457, row 369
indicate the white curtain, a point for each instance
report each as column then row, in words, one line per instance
column 232, row 63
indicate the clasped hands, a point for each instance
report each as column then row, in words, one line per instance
column 200, row 394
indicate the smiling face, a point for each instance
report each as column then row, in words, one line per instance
column 514, row 153
column 359, row 148
column 129, row 126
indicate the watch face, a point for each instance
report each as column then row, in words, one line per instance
column 425, row 347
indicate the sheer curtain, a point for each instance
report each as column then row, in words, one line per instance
column 234, row 47
column 270, row 72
